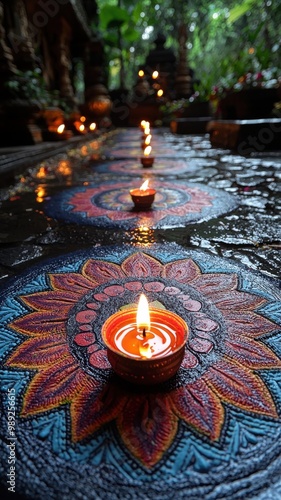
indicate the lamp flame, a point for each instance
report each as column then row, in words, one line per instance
column 147, row 129
column 147, row 151
column 143, row 316
column 144, row 186
column 147, row 140
column 93, row 126
column 81, row 128
column 61, row 128
column 160, row 93
column 155, row 75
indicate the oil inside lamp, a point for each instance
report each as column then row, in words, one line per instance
column 147, row 160
column 144, row 345
column 143, row 197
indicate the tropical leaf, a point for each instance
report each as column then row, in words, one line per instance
column 240, row 10
column 113, row 16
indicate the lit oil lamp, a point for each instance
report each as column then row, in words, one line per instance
column 160, row 93
column 143, row 124
column 145, row 346
column 146, row 159
column 92, row 126
column 141, row 73
column 61, row 128
column 60, row 133
column 155, row 75
column 143, row 197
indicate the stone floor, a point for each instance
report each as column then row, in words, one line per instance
column 74, row 250
column 249, row 234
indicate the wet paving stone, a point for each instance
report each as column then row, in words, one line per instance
column 254, row 182
column 217, row 421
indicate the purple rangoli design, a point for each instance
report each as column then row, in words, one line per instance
column 109, row 204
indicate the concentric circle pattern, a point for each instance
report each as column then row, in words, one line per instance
column 223, row 406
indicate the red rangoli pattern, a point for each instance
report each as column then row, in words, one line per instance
column 146, row 421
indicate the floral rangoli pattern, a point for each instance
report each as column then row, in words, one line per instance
column 224, row 357
column 161, row 166
column 213, row 424
column 109, row 204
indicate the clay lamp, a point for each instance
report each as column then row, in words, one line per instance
column 60, row 129
column 93, row 126
column 62, row 134
column 143, row 197
column 145, row 345
column 146, row 159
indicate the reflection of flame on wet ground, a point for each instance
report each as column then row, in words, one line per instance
column 142, row 236
column 40, row 193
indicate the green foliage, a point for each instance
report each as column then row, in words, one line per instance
column 240, row 9
column 225, row 39
column 112, row 17
column 30, row 86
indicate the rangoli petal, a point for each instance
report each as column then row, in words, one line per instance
column 147, row 426
column 72, row 282
column 250, row 324
column 141, row 265
column 239, row 386
column 102, row 271
column 37, row 352
column 93, row 407
column 40, row 323
column 184, row 270
column 252, row 353
column 236, row 301
column 54, row 300
column 53, row 386
column 200, row 408
column 210, row 284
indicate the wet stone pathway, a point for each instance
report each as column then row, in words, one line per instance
column 249, row 232
column 73, row 250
